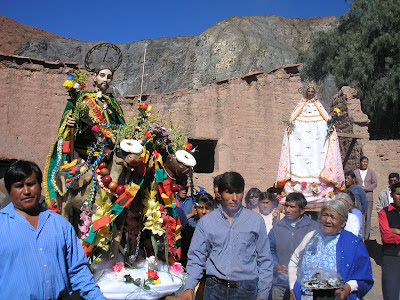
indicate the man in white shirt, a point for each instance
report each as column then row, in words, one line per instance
column 385, row 197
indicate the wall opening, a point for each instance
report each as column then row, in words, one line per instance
column 204, row 155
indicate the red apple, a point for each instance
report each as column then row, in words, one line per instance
column 102, row 165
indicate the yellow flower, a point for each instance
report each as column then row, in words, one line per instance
column 152, row 213
column 330, row 194
column 336, row 111
column 68, row 84
column 103, row 237
column 158, row 281
column 149, row 108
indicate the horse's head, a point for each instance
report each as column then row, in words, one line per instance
column 130, row 151
column 178, row 164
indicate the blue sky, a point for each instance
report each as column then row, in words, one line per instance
column 125, row 21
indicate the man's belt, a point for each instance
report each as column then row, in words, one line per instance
column 227, row 283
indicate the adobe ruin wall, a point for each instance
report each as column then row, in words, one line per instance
column 244, row 115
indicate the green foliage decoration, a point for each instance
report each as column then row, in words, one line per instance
column 363, row 52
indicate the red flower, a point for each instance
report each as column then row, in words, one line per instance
column 304, row 184
column 153, row 274
column 53, row 206
column 147, row 135
column 189, row 146
column 118, row 266
column 145, row 106
column 96, row 128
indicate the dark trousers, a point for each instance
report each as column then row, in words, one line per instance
column 367, row 220
column 246, row 290
column 391, row 277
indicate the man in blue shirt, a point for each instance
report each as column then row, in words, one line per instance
column 230, row 247
column 40, row 254
column 358, row 192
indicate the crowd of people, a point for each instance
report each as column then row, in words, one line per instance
column 299, row 247
column 268, row 248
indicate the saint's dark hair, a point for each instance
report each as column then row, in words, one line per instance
column 232, row 182
column 298, row 198
column 19, row 171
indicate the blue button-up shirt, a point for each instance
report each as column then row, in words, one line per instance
column 42, row 263
column 231, row 251
column 360, row 195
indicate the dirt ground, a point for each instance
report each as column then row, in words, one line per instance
column 374, row 249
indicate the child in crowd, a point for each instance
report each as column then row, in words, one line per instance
column 268, row 206
column 205, row 204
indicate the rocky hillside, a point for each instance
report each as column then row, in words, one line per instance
column 230, row 48
column 14, row 34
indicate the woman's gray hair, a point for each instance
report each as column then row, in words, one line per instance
column 336, row 206
column 345, row 197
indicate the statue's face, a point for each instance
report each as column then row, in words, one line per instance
column 103, row 79
column 310, row 93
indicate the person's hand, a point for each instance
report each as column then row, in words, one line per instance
column 275, row 215
column 344, row 292
column 70, row 122
column 186, row 295
column 292, row 295
column 364, row 188
column 282, row 269
column 192, row 213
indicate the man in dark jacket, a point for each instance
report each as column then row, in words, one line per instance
column 284, row 238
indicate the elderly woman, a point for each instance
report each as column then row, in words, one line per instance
column 334, row 250
column 353, row 224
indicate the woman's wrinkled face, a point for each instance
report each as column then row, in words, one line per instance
column 331, row 222
column 254, row 200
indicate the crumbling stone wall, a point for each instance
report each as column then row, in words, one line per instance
column 245, row 115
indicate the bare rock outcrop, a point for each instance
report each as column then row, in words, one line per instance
column 230, row 48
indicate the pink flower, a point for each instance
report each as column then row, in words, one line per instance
column 329, row 117
column 96, row 128
column 304, row 184
column 118, row 266
column 176, row 268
